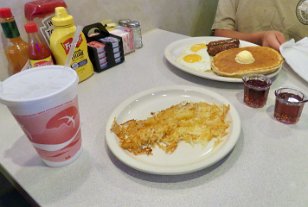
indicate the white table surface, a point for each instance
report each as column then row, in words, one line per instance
column 267, row 167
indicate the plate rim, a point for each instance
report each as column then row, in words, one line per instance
column 225, row 149
column 168, row 56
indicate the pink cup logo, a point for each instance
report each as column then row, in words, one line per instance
column 55, row 133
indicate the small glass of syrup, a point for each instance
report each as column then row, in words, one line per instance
column 289, row 105
column 256, row 88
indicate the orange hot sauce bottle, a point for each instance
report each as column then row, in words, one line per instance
column 16, row 49
column 39, row 53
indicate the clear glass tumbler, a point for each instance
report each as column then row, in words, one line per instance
column 289, row 105
column 256, row 88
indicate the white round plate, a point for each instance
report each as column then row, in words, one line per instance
column 175, row 49
column 186, row 158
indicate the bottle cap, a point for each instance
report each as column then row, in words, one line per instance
column 10, row 30
column 5, row 13
column 41, row 8
column 133, row 24
column 31, row 27
column 124, row 22
column 62, row 18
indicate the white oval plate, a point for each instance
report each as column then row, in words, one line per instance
column 186, row 158
column 174, row 50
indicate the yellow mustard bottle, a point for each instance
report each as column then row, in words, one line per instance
column 60, row 42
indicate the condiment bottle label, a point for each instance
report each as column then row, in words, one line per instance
column 42, row 62
column 78, row 58
column 46, row 28
column 80, row 62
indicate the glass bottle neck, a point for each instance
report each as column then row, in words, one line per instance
column 10, row 29
column 33, row 37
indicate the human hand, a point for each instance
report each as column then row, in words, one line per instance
column 272, row 39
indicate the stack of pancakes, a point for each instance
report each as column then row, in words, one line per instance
column 267, row 60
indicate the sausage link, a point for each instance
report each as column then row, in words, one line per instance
column 215, row 47
column 221, row 42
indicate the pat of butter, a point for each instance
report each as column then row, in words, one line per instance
column 244, row 57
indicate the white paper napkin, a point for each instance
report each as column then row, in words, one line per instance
column 296, row 55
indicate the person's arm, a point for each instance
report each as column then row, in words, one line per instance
column 271, row 39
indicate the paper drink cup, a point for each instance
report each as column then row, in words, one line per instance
column 44, row 102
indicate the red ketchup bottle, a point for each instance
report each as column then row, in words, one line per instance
column 39, row 53
column 41, row 12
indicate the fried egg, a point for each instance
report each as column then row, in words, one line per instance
column 195, row 57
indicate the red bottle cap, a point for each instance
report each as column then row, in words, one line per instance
column 40, row 8
column 5, row 13
column 31, row 27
